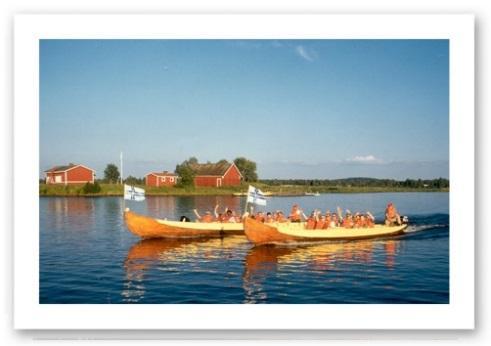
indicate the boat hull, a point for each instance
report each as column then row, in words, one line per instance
column 283, row 233
column 147, row 227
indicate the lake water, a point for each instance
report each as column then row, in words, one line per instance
column 87, row 255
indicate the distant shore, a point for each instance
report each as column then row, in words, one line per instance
column 108, row 190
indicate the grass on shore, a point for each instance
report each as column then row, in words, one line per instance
column 281, row 190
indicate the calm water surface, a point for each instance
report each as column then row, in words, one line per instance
column 88, row 256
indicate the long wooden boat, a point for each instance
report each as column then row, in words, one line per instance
column 147, row 227
column 290, row 232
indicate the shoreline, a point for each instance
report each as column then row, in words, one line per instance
column 115, row 190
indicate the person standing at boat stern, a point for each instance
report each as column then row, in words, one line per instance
column 295, row 214
column 392, row 217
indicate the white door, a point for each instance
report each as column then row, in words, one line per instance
column 219, row 182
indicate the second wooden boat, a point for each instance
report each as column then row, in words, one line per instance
column 290, row 232
column 147, row 227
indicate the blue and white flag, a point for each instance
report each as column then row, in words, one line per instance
column 255, row 196
column 134, row 193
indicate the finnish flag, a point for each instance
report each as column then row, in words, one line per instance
column 255, row 196
column 134, row 193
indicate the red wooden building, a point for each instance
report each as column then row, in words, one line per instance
column 70, row 174
column 216, row 174
column 161, row 179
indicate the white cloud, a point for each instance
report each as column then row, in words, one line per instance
column 368, row 159
column 306, row 54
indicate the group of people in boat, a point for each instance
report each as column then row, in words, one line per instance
column 316, row 220
column 227, row 215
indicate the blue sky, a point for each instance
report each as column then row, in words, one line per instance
column 299, row 108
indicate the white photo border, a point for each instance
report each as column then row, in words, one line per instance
column 29, row 314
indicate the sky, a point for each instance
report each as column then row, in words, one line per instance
column 306, row 109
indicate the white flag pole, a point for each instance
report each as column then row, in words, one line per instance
column 247, row 201
column 121, row 166
column 245, row 207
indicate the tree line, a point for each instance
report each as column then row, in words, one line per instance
column 439, row 183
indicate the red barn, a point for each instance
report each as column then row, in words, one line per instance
column 161, row 179
column 216, row 174
column 70, row 174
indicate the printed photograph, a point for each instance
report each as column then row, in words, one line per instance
column 266, row 171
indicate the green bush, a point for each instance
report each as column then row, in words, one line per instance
column 91, row 188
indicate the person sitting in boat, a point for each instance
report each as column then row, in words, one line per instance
column 357, row 221
column 269, row 218
column 392, row 217
column 328, row 219
column 230, row 217
column 280, row 216
column 295, row 214
column 334, row 221
column 260, row 216
column 205, row 218
column 363, row 221
column 321, row 222
column 219, row 217
column 311, row 220
column 369, row 220
column 347, row 220
column 276, row 216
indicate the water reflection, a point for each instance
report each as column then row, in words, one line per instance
column 113, row 206
column 169, row 254
column 161, row 207
column 75, row 211
column 139, row 259
column 263, row 262
column 391, row 247
column 70, row 205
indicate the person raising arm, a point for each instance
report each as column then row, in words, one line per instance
column 205, row 218
column 295, row 214
column 392, row 217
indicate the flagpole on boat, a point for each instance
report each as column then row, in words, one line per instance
column 245, row 208
column 247, row 202
column 121, row 166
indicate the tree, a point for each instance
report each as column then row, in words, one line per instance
column 111, row 173
column 186, row 173
column 247, row 168
column 192, row 160
column 131, row 180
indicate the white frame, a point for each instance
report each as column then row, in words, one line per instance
column 29, row 314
